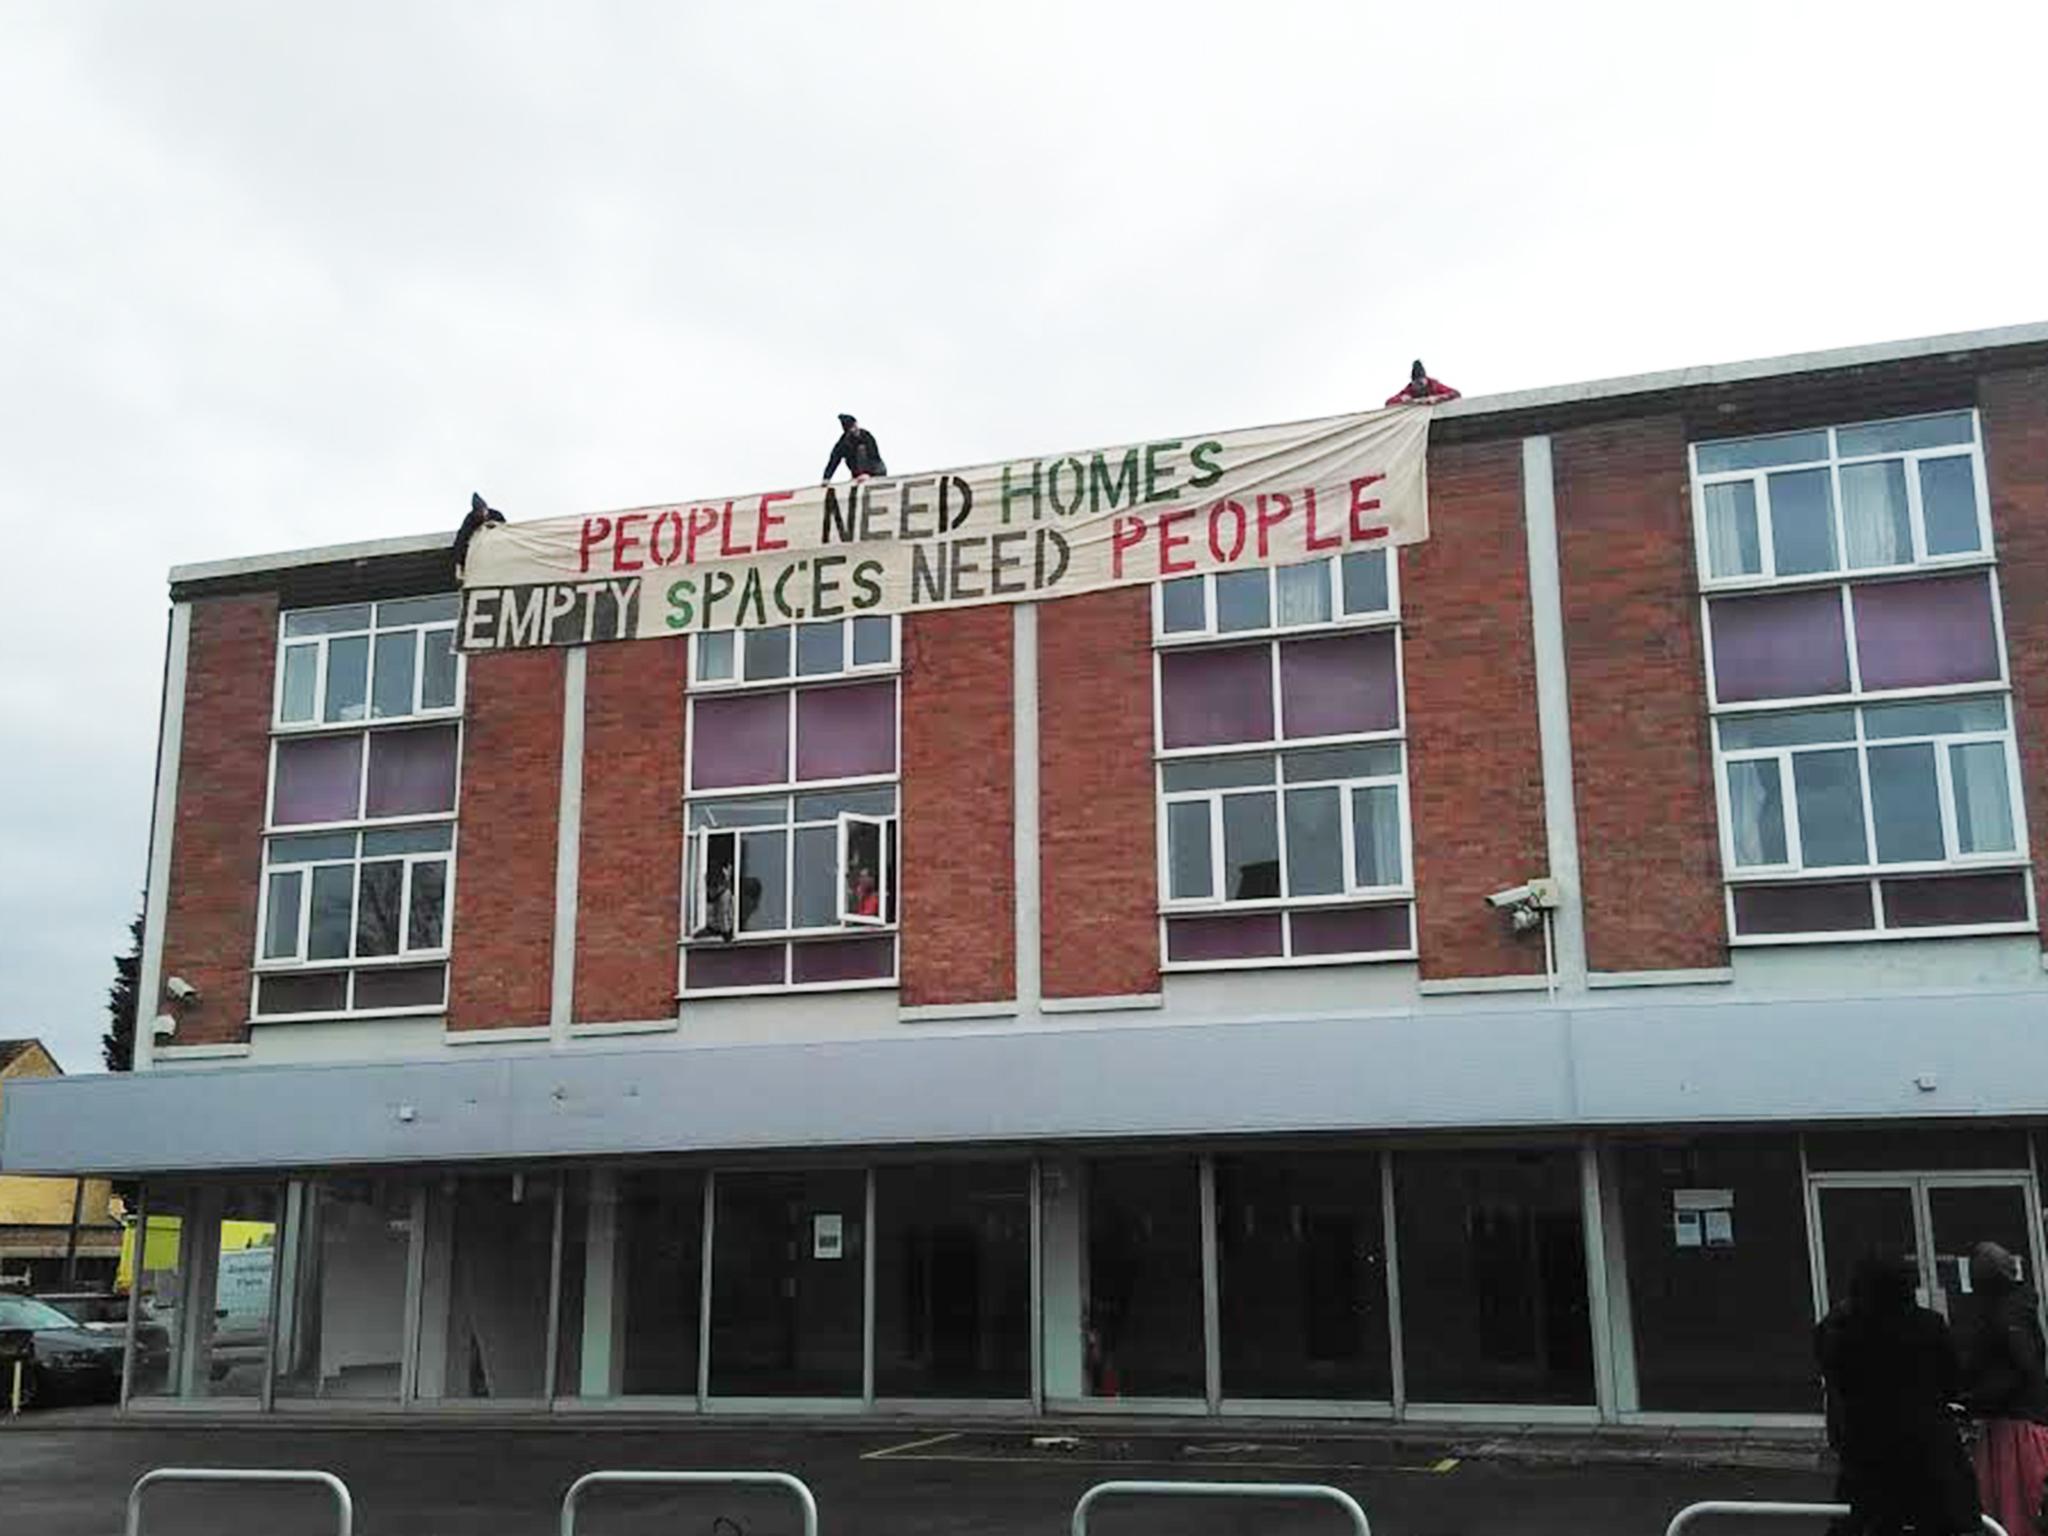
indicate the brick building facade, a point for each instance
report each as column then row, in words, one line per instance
column 1098, row 1004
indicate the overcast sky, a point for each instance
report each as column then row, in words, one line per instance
column 274, row 275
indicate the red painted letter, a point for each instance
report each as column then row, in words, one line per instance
column 1268, row 521
column 1331, row 541
column 1124, row 533
column 622, row 541
column 702, row 521
column 1169, row 541
column 766, row 522
column 595, row 531
column 1362, row 504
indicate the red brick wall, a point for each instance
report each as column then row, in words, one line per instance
column 503, row 940
column 629, row 886
column 958, row 903
column 1475, row 758
column 1098, row 861
column 2015, row 420
column 217, row 831
column 1649, row 849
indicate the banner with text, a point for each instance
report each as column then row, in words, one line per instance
column 1015, row 532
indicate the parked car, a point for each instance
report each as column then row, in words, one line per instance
column 90, row 1309
column 68, row 1363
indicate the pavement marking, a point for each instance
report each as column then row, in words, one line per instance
column 1448, row 1464
column 911, row 1445
column 909, row 1453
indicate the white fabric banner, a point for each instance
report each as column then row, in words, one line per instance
column 1015, row 532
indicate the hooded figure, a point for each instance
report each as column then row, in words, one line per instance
column 1891, row 1373
column 2005, row 1387
column 856, row 449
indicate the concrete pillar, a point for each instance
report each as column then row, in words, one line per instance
column 1065, row 1276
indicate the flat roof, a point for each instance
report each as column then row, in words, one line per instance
column 2034, row 333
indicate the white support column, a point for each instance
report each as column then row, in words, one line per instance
column 1620, row 1321
column 149, row 980
column 1024, row 792
column 1037, row 1197
column 1553, row 710
column 1065, row 1280
column 1591, row 1216
column 867, row 1295
column 604, row 1311
column 1212, row 1324
column 1390, row 1240
column 568, row 848
column 704, row 1287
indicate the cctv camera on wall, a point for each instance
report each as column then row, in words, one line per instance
column 181, row 990
column 1541, row 894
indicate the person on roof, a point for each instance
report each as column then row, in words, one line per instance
column 481, row 515
column 857, row 450
column 1421, row 389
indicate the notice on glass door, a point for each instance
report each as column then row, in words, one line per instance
column 1703, row 1218
column 828, row 1235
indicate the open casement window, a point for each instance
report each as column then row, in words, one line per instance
column 713, row 911
column 864, row 899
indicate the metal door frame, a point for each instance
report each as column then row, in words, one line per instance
column 1917, row 1185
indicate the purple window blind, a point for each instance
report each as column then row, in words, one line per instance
column 321, row 992
column 1834, row 907
column 1251, row 936
column 412, row 773
column 1350, row 931
column 1916, row 634
column 1782, row 645
column 844, row 732
column 843, row 960
column 749, row 965
column 1209, row 698
column 739, row 740
column 412, row 986
column 1953, row 902
column 318, row 779
column 1338, row 685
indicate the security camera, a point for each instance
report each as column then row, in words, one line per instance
column 163, row 1026
column 1540, row 894
column 181, row 990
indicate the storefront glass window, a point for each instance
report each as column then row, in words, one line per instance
column 209, row 1263
column 341, row 1330
column 953, row 1281
column 788, row 1284
column 632, row 1273
column 1303, row 1276
column 1144, row 1278
column 485, row 1312
column 1493, row 1277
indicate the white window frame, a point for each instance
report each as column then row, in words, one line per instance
column 1378, row 618
column 698, row 867
column 1834, row 463
column 793, row 679
column 418, row 713
column 271, row 827
column 1861, row 743
column 406, row 955
column 883, row 828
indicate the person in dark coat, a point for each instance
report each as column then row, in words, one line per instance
column 857, row 450
column 1892, row 1375
column 2005, row 1384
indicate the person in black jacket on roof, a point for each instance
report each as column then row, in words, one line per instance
column 857, row 450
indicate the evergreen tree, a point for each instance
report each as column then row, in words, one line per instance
column 117, row 1045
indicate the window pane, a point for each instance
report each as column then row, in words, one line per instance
column 1339, row 684
column 1875, row 521
column 438, row 838
column 1921, row 634
column 1243, row 600
column 326, row 621
column 302, row 992
column 842, row 733
column 348, row 675
column 742, row 740
column 1374, row 762
column 1935, row 717
column 1211, row 698
column 770, row 812
column 1144, row 1269
column 281, row 920
column 1217, row 773
column 1365, row 581
column 788, row 1283
column 1315, row 843
column 1304, row 593
column 333, row 900
column 377, row 900
column 1377, row 856
column 1905, row 803
column 1779, row 645
column 1251, row 848
column 1188, row 855
column 1903, row 436
column 820, row 648
column 318, row 779
column 437, row 686
column 424, row 923
column 874, row 641
column 714, row 656
column 1734, row 547
column 402, row 986
column 1762, row 452
column 953, row 1281
column 1794, row 728
column 392, row 679
column 817, row 878
column 301, row 669
column 767, row 652
column 440, row 609
column 1803, row 522
column 1182, row 609
column 1756, row 812
column 764, row 882
column 830, row 804
column 1948, row 506
column 341, row 1334
column 412, row 773
column 1830, row 794
column 660, row 1271
column 311, row 848
column 1983, row 797
column 495, row 1317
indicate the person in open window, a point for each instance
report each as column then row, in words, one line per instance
column 717, row 918
column 863, row 893
column 2006, row 1387
column 857, row 450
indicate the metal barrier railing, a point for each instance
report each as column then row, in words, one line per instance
column 1713, row 1507
column 793, row 1486
column 344, row 1506
column 1320, row 1492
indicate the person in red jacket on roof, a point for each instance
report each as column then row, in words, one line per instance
column 1422, row 389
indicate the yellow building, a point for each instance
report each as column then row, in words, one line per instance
column 37, row 1250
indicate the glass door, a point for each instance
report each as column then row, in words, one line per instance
column 1934, row 1220
column 1960, row 1216
column 1856, row 1219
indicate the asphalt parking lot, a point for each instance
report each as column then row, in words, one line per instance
column 64, row 1476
